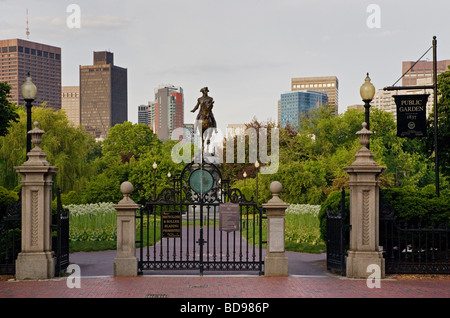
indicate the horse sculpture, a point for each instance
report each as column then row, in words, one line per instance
column 205, row 118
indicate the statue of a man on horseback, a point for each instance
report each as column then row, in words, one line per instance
column 205, row 118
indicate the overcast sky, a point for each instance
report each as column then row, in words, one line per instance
column 245, row 51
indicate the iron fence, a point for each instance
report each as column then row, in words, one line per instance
column 408, row 248
column 11, row 237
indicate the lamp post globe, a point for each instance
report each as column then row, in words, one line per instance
column 367, row 92
column 154, row 166
column 28, row 91
column 257, row 170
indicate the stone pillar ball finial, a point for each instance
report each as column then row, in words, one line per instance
column 275, row 188
column 36, row 135
column 126, row 188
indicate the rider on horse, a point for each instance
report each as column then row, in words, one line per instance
column 205, row 103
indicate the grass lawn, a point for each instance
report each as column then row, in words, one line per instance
column 95, row 246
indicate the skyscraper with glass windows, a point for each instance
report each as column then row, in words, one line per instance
column 328, row 84
column 293, row 105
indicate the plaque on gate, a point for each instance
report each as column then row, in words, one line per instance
column 171, row 224
column 229, row 217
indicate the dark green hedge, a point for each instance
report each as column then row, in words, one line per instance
column 409, row 205
column 7, row 197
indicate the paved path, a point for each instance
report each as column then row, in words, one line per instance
column 307, row 278
column 225, row 287
column 101, row 264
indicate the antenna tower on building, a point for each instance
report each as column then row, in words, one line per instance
column 28, row 29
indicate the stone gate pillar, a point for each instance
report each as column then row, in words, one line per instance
column 364, row 211
column 36, row 259
column 275, row 262
column 126, row 263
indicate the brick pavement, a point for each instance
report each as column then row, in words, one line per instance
column 327, row 286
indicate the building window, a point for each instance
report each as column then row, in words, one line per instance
column 39, row 53
column 12, row 49
column 57, row 56
column 27, row 50
column 33, row 52
column 45, row 54
column 52, row 55
column 20, row 48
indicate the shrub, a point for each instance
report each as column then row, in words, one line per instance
column 7, row 197
column 331, row 204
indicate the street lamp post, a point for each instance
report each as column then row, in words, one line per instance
column 257, row 169
column 28, row 90
column 367, row 92
column 245, row 177
column 155, row 166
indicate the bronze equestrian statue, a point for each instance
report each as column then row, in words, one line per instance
column 205, row 116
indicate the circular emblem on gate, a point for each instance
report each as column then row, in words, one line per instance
column 411, row 125
column 201, row 181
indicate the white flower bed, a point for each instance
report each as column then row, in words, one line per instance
column 303, row 209
column 92, row 222
column 92, row 209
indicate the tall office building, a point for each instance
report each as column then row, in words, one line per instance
column 328, row 84
column 146, row 114
column 143, row 114
column 422, row 70
column 18, row 57
column 166, row 113
column 71, row 103
column 293, row 105
column 103, row 95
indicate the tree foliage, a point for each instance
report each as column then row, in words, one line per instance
column 312, row 158
column 8, row 113
column 443, row 112
column 66, row 147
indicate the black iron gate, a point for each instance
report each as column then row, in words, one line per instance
column 61, row 246
column 412, row 248
column 338, row 237
column 10, row 237
column 200, row 224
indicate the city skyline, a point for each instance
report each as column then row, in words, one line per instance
column 246, row 55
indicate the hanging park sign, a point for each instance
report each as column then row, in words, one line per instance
column 411, row 115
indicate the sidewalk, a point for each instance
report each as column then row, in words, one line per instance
column 307, row 279
column 225, row 287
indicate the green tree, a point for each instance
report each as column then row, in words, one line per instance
column 8, row 113
column 443, row 112
column 312, row 157
column 67, row 148
column 129, row 140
